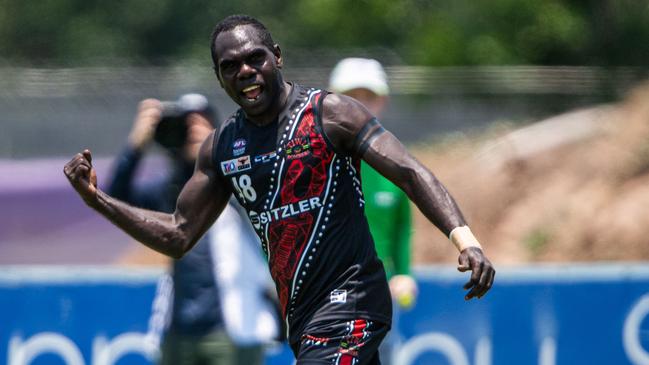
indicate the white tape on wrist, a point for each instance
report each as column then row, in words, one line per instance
column 463, row 238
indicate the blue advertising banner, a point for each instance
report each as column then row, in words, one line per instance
column 582, row 314
column 545, row 315
column 77, row 316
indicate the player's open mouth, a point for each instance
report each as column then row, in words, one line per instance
column 252, row 92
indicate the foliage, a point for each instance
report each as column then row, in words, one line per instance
column 426, row 32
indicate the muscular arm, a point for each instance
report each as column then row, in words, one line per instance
column 345, row 122
column 353, row 131
column 199, row 204
column 388, row 156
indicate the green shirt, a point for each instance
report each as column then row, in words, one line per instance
column 388, row 212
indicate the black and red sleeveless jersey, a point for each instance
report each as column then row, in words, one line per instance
column 306, row 204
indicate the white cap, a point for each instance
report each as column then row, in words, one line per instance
column 357, row 73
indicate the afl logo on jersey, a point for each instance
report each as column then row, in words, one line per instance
column 235, row 165
column 297, row 147
column 239, row 147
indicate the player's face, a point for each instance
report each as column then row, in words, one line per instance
column 248, row 71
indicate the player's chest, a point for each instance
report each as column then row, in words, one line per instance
column 258, row 164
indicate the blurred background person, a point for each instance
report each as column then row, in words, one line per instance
column 208, row 310
column 386, row 206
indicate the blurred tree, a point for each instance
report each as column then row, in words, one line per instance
column 426, row 32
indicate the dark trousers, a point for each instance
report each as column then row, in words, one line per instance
column 213, row 349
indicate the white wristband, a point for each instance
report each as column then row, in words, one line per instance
column 463, row 238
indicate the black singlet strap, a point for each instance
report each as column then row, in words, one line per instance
column 317, row 108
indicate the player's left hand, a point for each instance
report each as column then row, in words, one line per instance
column 482, row 272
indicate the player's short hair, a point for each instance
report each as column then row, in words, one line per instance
column 234, row 21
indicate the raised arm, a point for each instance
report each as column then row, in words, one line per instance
column 354, row 131
column 199, row 204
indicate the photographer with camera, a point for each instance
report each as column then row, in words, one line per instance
column 208, row 310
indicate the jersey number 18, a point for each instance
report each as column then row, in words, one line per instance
column 244, row 188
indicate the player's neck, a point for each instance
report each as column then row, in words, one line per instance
column 275, row 109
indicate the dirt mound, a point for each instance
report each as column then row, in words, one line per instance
column 572, row 188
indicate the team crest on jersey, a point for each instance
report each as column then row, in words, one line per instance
column 239, row 147
column 235, row 165
column 297, row 147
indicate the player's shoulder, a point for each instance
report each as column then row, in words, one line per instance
column 342, row 118
column 224, row 131
column 228, row 126
column 343, row 115
column 344, row 109
column 230, row 121
column 336, row 101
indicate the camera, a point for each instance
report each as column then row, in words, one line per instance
column 171, row 131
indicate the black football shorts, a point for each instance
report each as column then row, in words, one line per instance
column 338, row 342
